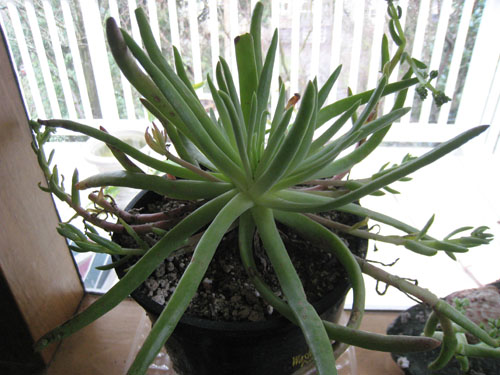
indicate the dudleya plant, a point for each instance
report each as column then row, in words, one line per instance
column 253, row 167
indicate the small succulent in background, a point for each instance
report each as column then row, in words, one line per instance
column 247, row 165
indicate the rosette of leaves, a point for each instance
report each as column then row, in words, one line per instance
column 250, row 165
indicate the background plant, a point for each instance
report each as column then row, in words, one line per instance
column 248, row 165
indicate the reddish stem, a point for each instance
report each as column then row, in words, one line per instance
column 138, row 218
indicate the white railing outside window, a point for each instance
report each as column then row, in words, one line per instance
column 66, row 70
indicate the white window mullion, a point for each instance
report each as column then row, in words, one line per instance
column 26, row 59
column 42, row 56
column 61, row 65
column 358, row 19
column 253, row 3
column 418, row 43
column 437, row 53
column 136, row 34
column 295, row 48
column 491, row 113
column 174, row 24
column 153, row 20
column 234, row 31
column 214, row 34
column 132, row 5
column 127, row 88
column 492, row 109
column 77, row 62
column 458, row 50
column 481, row 70
column 316, row 37
column 336, row 40
column 275, row 24
column 98, row 55
column 376, row 48
column 2, row 25
column 195, row 40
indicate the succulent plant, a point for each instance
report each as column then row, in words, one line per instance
column 244, row 164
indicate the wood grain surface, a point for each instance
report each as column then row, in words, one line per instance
column 34, row 259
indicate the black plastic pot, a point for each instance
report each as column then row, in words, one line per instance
column 205, row 347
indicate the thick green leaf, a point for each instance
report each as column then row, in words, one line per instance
column 208, row 136
column 385, row 56
column 307, row 317
column 318, row 234
column 279, row 110
column 176, row 189
column 334, row 128
column 181, row 72
column 327, row 87
column 255, row 31
column 179, row 80
column 159, row 165
column 306, row 142
column 315, row 163
column 275, row 141
column 371, row 105
column 247, row 72
column 335, row 332
column 188, row 284
column 266, row 75
column 335, row 109
column 229, row 87
column 284, row 157
column 224, row 116
column 172, row 85
column 239, row 132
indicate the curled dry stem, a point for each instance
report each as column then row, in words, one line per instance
column 117, row 228
column 173, row 216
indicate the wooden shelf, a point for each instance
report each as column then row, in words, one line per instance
column 106, row 346
column 376, row 363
